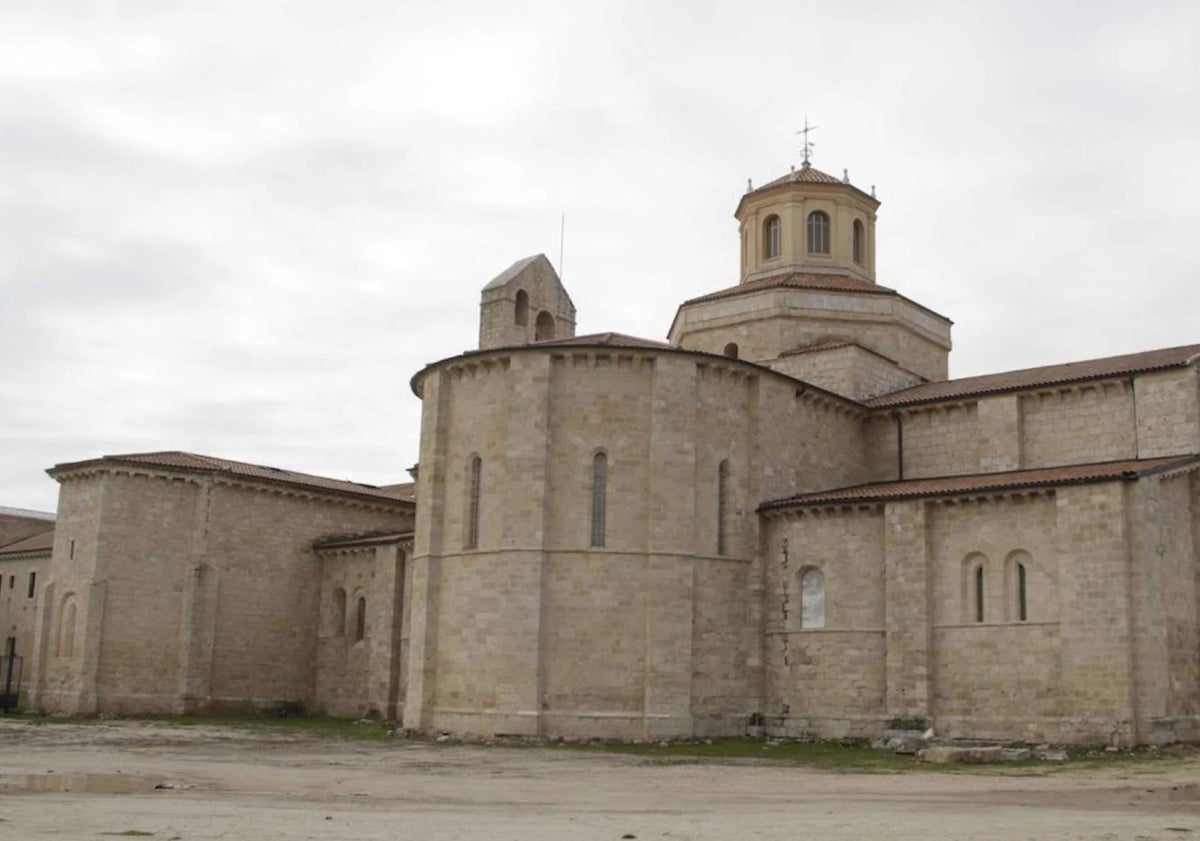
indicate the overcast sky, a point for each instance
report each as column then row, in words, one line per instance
column 238, row 228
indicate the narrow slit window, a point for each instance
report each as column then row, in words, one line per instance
column 857, row 245
column 979, row 593
column 32, row 584
column 1022, row 594
column 812, row 599
column 723, row 507
column 360, row 619
column 599, row 498
column 474, row 486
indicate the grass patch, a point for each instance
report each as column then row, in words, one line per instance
column 860, row 758
column 318, row 726
column 827, row 756
column 1094, row 757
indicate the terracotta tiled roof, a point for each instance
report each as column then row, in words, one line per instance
column 356, row 541
column 806, row 174
column 828, row 343
column 38, row 543
column 26, row 514
column 606, row 340
column 1069, row 372
column 798, row 280
column 192, row 463
column 983, row 482
column 834, row 343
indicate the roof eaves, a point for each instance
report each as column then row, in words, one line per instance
column 666, row 348
column 209, row 467
column 1028, row 482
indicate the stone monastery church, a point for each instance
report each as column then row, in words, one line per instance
column 783, row 517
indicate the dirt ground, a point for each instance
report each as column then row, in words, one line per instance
column 90, row 781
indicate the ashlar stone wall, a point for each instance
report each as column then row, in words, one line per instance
column 1068, row 614
column 849, row 370
column 189, row 592
column 18, row 607
column 656, row 632
column 1147, row 416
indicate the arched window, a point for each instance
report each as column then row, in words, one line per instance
column 772, row 237
column 979, row 593
column 522, row 308
column 818, row 232
column 338, row 621
column 857, row 245
column 722, row 507
column 1017, row 571
column 66, row 628
column 543, row 328
column 1022, row 595
column 974, row 581
column 731, row 350
column 599, row 497
column 474, row 484
column 360, row 619
column 812, row 598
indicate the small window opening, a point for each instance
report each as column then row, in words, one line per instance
column 857, row 245
column 599, row 498
column 474, row 485
column 1022, row 604
column 543, row 328
column 522, row 307
column 818, row 232
column 812, row 599
column 731, row 350
column 772, row 237
column 32, row 584
column 71, row 551
column 722, row 507
column 360, row 619
column 979, row 593
column 12, row 582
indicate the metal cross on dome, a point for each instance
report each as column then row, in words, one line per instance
column 807, row 148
